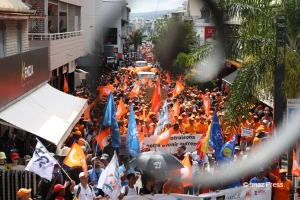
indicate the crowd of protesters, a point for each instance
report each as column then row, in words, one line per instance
column 192, row 119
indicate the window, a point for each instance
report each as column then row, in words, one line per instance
column 19, row 37
column 2, row 39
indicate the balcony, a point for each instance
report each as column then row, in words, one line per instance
column 63, row 47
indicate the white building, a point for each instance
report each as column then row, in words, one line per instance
column 61, row 31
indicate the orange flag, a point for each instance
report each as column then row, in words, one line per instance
column 164, row 138
column 102, row 137
column 178, row 89
column 116, row 81
column 106, row 90
column 156, row 97
column 295, row 169
column 206, row 105
column 76, row 158
column 176, row 109
column 186, row 172
column 168, row 80
column 121, row 110
column 87, row 114
column 172, row 118
column 66, row 87
column 136, row 90
column 144, row 80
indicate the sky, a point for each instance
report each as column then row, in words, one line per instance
column 140, row 6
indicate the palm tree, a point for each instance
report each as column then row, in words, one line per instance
column 255, row 41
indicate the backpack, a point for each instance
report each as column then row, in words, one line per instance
column 127, row 189
column 79, row 189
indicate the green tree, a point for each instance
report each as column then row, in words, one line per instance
column 137, row 39
column 255, row 41
column 174, row 37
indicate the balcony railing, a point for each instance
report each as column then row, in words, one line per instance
column 54, row 36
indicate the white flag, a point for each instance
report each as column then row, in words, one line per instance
column 164, row 119
column 42, row 163
column 110, row 180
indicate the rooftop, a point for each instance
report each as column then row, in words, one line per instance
column 14, row 6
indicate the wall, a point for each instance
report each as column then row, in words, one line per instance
column 11, row 37
column 61, row 51
column 194, row 7
column 75, row 2
column 88, row 13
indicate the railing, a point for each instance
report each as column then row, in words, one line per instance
column 12, row 181
column 54, row 36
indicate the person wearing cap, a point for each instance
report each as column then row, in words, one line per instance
column 202, row 126
column 257, row 141
column 256, row 122
column 284, row 187
column 265, row 126
column 104, row 159
column 191, row 128
column 260, row 179
column 24, row 194
column 26, row 160
column 2, row 160
column 83, row 191
column 181, row 124
column 95, row 173
column 15, row 159
column 58, row 192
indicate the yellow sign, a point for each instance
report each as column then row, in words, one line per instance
column 8, row 167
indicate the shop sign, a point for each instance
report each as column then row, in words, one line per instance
column 21, row 73
column 210, row 31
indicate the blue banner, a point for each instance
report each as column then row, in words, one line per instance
column 132, row 139
column 110, row 119
column 216, row 137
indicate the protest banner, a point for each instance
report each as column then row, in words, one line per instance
column 189, row 141
column 240, row 193
column 247, row 132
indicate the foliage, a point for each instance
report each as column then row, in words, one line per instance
column 137, row 39
column 197, row 78
column 174, row 37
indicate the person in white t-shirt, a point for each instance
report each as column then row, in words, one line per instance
column 129, row 190
column 83, row 191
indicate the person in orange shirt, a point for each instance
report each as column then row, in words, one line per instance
column 266, row 127
column 256, row 123
column 251, row 118
column 191, row 128
column 243, row 141
column 181, row 124
column 284, row 187
column 24, row 194
column 197, row 120
column 202, row 126
column 122, row 128
column 185, row 118
column 175, row 129
column 80, row 125
column 77, row 135
column 174, row 185
column 257, row 142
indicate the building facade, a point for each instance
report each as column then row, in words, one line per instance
column 60, row 30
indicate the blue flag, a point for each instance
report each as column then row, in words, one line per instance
column 110, row 119
column 226, row 154
column 132, row 139
column 216, row 137
column 164, row 118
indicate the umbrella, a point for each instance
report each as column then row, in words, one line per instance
column 154, row 160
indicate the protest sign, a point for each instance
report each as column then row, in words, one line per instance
column 247, row 132
column 189, row 141
column 240, row 193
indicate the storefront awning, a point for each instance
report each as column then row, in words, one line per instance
column 47, row 113
column 230, row 78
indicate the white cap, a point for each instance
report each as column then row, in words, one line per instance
column 83, row 148
column 63, row 152
column 81, row 174
column 265, row 121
